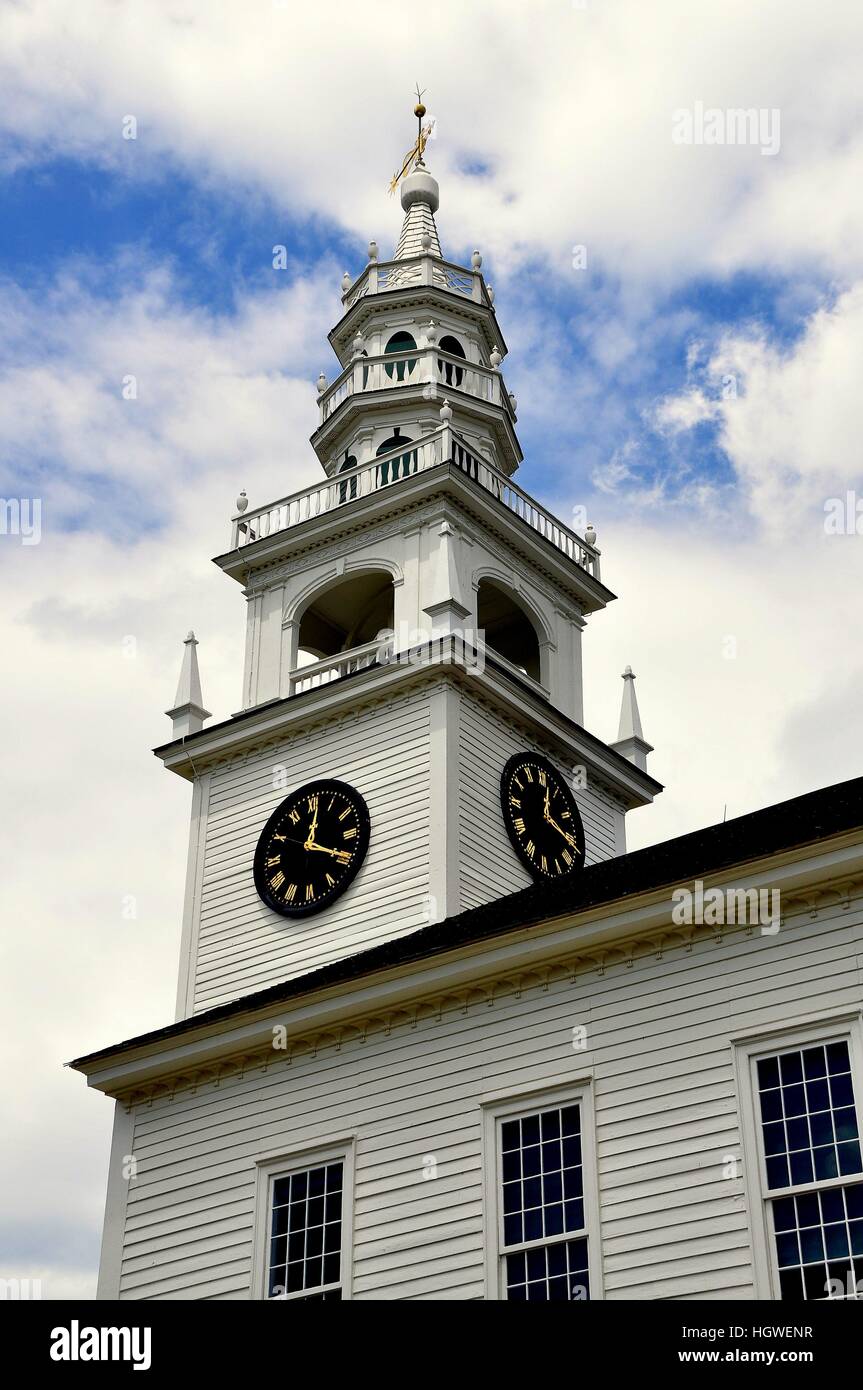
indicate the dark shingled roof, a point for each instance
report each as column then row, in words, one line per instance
column 801, row 821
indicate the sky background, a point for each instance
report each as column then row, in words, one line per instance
column 262, row 124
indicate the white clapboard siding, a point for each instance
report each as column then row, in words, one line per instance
column 489, row 867
column 666, row 1112
column 240, row 945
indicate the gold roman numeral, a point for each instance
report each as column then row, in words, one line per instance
column 349, row 834
column 543, row 779
column 290, row 892
column 294, row 817
column 528, row 774
column 531, row 848
column 274, row 861
column 543, row 863
column 515, row 801
column 310, row 893
column 567, row 857
column 519, row 825
column 280, row 837
column 331, row 881
column 276, row 881
column 344, row 813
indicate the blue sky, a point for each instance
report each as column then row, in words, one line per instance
column 153, row 257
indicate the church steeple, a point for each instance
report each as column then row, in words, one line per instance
column 414, row 621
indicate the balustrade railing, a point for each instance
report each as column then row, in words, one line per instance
column 332, row 668
column 426, row 367
column 444, row 446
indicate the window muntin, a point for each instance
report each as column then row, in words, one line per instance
column 305, row 1233
column 808, row 1120
column 544, row 1242
column 810, row 1142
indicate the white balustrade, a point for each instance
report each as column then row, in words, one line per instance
column 444, row 446
column 417, row 367
column 333, row 668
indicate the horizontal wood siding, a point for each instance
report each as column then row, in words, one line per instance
column 489, row 867
column 660, row 1058
column 242, row 945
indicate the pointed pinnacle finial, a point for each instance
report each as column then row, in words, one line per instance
column 630, row 741
column 188, row 713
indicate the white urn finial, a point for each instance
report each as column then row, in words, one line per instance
column 590, row 534
column 490, row 292
column 513, row 402
column 446, row 412
column 425, row 240
column 373, row 250
column 346, row 282
column 322, row 383
column 495, row 358
column 358, row 345
column 431, row 333
column 242, row 501
column 476, row 260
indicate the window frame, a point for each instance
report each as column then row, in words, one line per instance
column 268, row 1169
column 748, row 1051
column 495, row 1112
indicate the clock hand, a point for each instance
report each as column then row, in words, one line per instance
column 343, row 854
column 553, row 823
column 312, row 828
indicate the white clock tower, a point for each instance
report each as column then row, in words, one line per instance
column 414, row 620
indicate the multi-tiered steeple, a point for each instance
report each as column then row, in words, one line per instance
column 414, row 620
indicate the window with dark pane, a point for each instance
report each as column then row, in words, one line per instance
column 306, row 1234
column 811, row 1141
column 544, row 1228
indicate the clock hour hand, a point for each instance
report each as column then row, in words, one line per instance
column 343, row 855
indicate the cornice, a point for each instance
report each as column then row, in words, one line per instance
column 617, row 957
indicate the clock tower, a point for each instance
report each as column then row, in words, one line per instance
column 410, row 742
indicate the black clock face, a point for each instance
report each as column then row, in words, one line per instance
column 311, row 847
column 541, row 817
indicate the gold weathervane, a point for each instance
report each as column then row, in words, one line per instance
column 414, row 156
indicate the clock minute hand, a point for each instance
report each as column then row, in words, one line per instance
column 553, row 823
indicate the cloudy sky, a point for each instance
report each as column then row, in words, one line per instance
column 684, row 323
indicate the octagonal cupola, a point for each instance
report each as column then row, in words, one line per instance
column 415, row 329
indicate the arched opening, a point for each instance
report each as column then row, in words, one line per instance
column 347, row 615
column 397, row 467
column 508, row 630
column 348, row 489
column 401, row 342
column 451, row 373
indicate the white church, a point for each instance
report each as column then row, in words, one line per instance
column 438, row 1035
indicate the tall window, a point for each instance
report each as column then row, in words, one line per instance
column 304, row 1258
column 543, row 1206
column 451, row 372
column 812, row 1169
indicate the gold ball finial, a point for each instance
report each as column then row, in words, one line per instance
column 419, row 110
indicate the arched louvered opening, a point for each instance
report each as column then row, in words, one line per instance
column 348, row 489
column 346, row 615
column 402, row 464
column 451, row 373
column 401, row 342
column 508, row 629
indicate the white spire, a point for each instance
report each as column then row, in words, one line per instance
column 631, row 743
column 188, row 713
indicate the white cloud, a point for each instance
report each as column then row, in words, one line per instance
column 570, row 109
column 311, row 106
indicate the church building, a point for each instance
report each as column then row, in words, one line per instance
column 438, row 1035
